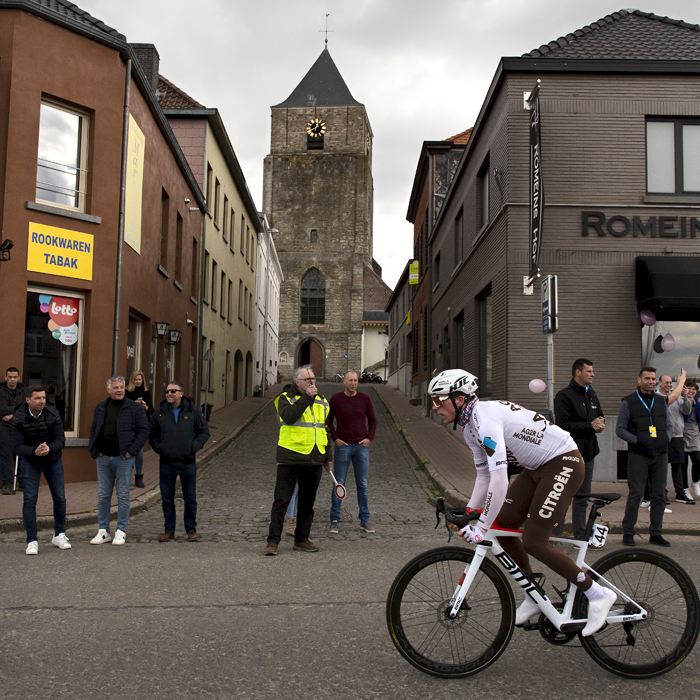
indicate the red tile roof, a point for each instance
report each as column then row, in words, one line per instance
column 462, row 137
column 174, row 98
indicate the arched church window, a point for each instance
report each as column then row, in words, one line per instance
column 313, row 297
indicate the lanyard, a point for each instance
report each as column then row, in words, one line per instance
column 651, row 422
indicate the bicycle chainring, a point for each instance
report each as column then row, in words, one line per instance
column 550, row 633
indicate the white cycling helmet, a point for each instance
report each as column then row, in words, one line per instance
column 453, row 381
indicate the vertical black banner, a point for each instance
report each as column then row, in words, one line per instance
column 536, row 190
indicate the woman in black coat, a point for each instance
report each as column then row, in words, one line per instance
column 137, row 390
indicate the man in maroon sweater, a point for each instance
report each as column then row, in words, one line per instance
column 352, row 425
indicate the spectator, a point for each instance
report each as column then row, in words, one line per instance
column 37, row 433
column 643, row 423
column 353, row 413
column 577, row 410
column 178, row 432
column 11, row 398
column 302, row 450
column 119, row 431
column 137, row 390
column 691, row 436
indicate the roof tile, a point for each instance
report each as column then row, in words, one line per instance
column 172, row 97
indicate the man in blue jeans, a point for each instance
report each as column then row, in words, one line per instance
column 119, row 431
column 38, row 439
column 352, row 426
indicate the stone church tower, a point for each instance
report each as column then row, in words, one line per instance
column 318, row 194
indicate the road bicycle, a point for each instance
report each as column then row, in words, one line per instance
column 451, row 611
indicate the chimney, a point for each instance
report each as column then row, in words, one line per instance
column 149, row 61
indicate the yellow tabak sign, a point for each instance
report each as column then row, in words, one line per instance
column 58, row 251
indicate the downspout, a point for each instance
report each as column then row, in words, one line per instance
column 122, row 209
column 203, row 258
column 429, row 273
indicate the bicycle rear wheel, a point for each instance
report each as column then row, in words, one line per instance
column 656, row 645
column 417, row 614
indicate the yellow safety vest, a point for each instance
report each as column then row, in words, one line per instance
column 309, row 430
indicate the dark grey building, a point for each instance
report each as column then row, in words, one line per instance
column 620, row 126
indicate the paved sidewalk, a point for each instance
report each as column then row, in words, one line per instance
column 449, row 463
column 81, row 497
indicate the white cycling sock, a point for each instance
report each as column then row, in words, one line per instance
column 596, row 592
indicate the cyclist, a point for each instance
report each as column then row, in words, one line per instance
column 499, row 432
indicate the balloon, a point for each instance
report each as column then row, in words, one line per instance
column 668, row 343
column 537, row 385
column 648, row 318
column 657, row 345
column 698, row 362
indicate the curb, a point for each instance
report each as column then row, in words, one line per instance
column 140, row 502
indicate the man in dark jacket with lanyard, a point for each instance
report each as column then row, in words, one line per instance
column 178, row 432
column 119, row 431
column 303, row 449
column 11, row 398
column 643, row 423
column 577, row 410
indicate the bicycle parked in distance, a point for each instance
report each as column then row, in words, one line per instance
column 451, row 611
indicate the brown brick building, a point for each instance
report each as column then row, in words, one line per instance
column 620, row 124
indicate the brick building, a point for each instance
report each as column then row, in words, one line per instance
column 318, row 194
column 620, row 124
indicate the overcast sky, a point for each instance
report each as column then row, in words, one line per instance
column 421, row 69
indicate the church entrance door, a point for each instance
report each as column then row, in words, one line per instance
column 311, row 353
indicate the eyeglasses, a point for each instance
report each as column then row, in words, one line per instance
column 307, row 379
column 172, row 391
column 438, row 400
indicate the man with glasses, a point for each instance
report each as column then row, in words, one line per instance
column 303, row 449
column 178, row 432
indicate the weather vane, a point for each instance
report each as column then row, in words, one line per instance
column 326, row 30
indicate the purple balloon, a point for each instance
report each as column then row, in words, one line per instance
column 537, row 385
column 668, row 343
column 648, row 317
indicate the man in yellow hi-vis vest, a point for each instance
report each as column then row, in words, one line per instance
column 303, row 449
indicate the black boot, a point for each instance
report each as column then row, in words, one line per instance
column 139, row 481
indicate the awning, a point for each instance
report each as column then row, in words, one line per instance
column 669, row 286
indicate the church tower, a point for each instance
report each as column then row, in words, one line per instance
column 318, row 194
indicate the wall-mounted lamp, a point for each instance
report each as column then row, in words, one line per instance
column 5, row 247
column 160, row 328
column 187, row 201
column 174, row 336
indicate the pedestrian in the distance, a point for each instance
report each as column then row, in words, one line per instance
column 118, row 433
column 38, row 438
column 691, row 435
column 11, row 398
column 352, row 425
column 137, row 390
column 178, row 432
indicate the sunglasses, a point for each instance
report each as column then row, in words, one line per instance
column 438, row 400
column 172, row 391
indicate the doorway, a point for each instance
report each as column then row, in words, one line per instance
column 311, row 353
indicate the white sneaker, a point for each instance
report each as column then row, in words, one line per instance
column 33, row 547
column 696, row 487
column 102, row 537
column 119, row 537
column 598, row 612
column 644, row 504
column 666, row 510
column 61, row 541
column 527, row 610
column 686, row 493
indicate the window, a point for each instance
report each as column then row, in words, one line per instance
column 240, row 300
column 224, row 220
column 687, row 336
column 230, row 301
column 217, row 193
column 483, row 194
column 231, row 226
column 134, row 344
column 673, row 156
column 222, row 292
column 61, row 174
column 245, row 306
column 436, row 270
column 313, row 297
column 214, row 275
column 242, row 234
column 164, row 225
column 210, row 177
column 178, row 248
column 247, row 243
column 458, row 335
column 206, row 276
column 314, row 235
column 252, row 252
column 459, row 236
column 53, row 349
column 250, row 310
column 194, row 292
column 484, row 305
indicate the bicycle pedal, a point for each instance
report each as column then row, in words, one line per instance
column 530, row 626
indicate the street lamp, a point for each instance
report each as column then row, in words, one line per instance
column 160, row 329
column 174, row 337
column 5, row 247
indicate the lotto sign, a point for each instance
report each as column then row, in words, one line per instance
column 63, row 317
column 58, row 251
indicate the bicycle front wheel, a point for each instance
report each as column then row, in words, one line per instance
column 656, row 645
column 417, row 614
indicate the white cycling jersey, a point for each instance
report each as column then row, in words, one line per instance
column 501, row 433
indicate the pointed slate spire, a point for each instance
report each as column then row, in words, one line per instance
column 322, row 86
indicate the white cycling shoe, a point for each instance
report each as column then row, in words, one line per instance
column 598, row 612
column 527, row 610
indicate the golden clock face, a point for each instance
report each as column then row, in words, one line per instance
column 316, row 128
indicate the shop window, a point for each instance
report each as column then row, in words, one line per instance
column 673, row 156
column 313, row 297
column 686, row 335
column 484, row 306
column 483, row 194
column 134, row 344
column 53, row 349
column 61, row 176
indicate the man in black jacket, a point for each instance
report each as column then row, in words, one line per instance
column 11, row 398
column 37, row 433
column 178, row 432
column 119, row 431
column 577, row 410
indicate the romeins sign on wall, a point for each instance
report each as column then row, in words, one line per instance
column 596, row 223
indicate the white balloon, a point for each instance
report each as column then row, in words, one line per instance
column 537, row 386
column 668, row 343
